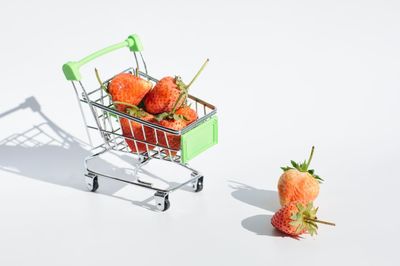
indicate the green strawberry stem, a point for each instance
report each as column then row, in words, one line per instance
column 99, row 80
column 185, row 88
column 177, row 101
column 319, row 221
column 310, row 158
column 197, row 74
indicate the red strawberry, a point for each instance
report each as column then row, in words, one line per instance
column 163, row 96
column 128, row 88
column 134, row 130
column 172, row 141
column 126, row 91
column 297, row 218
column 188, row 113
column 168, row 94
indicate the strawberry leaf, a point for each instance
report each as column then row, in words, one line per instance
column 318, row 178
column 295, row 165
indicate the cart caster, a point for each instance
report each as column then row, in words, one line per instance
column 198, row 183
column 162, row 201
column 92, row 182
column 143, row 159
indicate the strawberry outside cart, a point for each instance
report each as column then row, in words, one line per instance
column 102, row 119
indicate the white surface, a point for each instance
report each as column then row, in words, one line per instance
column 285, row 75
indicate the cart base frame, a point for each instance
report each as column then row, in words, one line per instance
column 161, row 195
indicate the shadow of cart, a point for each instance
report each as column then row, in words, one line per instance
column 47, row 153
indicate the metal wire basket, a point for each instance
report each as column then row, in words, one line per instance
column 106, row 121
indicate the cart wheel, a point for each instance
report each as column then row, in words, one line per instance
column 92, row 182
column 167, row 204
column 95, row 184
column 162, row 201
column 198, row 184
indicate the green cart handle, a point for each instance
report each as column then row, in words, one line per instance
column 71, row 69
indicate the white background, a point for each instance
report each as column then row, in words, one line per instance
column 285, row 75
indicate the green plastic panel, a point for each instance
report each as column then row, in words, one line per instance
column 199, row 139
column 71, row 69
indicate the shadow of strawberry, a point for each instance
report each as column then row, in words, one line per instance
column 261, row 198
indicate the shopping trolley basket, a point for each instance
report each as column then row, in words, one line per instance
column 194, row 138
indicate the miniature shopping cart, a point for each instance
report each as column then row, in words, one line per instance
column 105, row 123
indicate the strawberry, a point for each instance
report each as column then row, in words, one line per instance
column 188, row 113
column 298, row 183
column 169, row 93
column 175, row 120
column 297, row 218
column 127, row 88
column 134, row 130
column 171, row 141
column 163, row 96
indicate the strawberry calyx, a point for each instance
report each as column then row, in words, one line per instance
column 303, row 167
column 133, row 110
column 179, row 82
column 170, row 116
column 136, row 112
column 184, row 91
column 306, row 219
